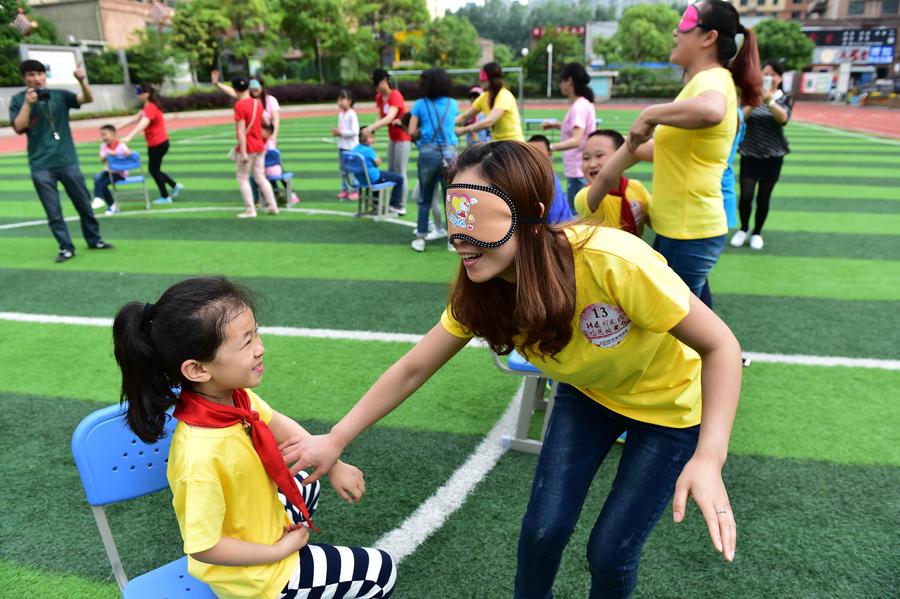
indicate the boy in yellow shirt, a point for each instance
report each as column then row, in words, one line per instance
column 627, row 205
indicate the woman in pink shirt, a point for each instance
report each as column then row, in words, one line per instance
column 580, row 121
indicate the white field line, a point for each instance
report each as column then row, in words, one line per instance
column 429, row 517
column 796, row 359
column 892, row 142
column 236, row 209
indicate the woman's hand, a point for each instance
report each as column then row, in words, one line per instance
column 701, row 478
column 348, row 482
column 641, row 131
column 550, row 124
column 215, row 77
column 294, row 539
column 319, row 452
column 335, row 131
column 462, row 130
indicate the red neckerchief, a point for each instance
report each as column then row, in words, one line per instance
column 628, row 224
column 196, row 411
column 113, row 147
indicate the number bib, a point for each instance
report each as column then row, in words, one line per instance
column 604, row 325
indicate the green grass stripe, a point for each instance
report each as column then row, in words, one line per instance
column 828, row 245
column 47, row 524
column 297, row 302
column 33, row 583
column 301, row 376
column 792, row 536
column 838, row 149
column 833, row 278
column 835, row 190
column 847, row 406
column 822, row 205
column 207, row 183
column 834, row 222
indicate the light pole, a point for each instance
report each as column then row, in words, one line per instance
column 549, row 66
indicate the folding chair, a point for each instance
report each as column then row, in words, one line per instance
column 532, row 400
column 115, row 465
column 355, row 164
column 273, row 158
column 130, row 163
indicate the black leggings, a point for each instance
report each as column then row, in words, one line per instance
column 155, row 155
column 765, row 172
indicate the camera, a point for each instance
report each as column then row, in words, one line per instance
column 43, row 95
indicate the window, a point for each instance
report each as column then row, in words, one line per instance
column 889, row 7
column 760, row 2
column 797, row 1
column 796, row 14
column 745, row 2
column 856, row 7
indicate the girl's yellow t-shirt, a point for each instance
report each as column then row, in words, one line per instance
column 688, row 165
column 621, row 354
column 508, row 126
column 220, row 489
column 610, row 208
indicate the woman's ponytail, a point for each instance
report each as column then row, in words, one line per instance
column 581, row 81
column 145, row 386
column 745, row 69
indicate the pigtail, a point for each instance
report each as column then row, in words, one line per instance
column 745, row 69
column 145, row 387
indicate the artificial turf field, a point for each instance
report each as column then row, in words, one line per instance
column 814, row 469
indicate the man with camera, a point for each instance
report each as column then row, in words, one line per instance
column 43, row 114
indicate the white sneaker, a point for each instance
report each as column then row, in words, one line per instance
column 114, row 209
column 436, row 234
column 98, row 203
column 739, row 239
column 418, row 244
column 396, row 211
column 756, row 242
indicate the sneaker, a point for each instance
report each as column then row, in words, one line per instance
column 64, row 255
column 353, row 196
column 756, row 242
column 295, row 199
column 436, row 234
column 247, row 215
column 273, row 211
column 114, row 209
column 739, row 239
column 98, row 203
column 343, row 195
column 418, row 244
column 163, row 200
column 176, row 190
column 101, row 245
column 396, row 211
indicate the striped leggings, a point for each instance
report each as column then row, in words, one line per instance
column 326, row 571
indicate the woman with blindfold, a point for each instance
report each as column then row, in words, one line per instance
column 689, row 140
column 634, row 350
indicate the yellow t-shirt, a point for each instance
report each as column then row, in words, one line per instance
column 621, row 354
column 688, row 165
column 507, row 126
column 220, row 489
column 610, row 208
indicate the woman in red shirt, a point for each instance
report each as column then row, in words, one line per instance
column 391, row 106
column 251, row 151
column 151, row 121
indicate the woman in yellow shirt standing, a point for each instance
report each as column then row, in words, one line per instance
column 598, row 310
column 499, row 106
column 693, row 138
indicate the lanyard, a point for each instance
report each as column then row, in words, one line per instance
column 49, row 116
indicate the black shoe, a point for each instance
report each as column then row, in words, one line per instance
column 100, row 245
column 64, row 255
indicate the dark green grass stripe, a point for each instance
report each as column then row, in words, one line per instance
column 833, row 245
column 836, row 205
column 794, row 535
column 315, row 303
column 820, row 180
column 47, row 523
column 817, row 326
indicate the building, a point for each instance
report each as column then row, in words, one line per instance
column 617, row 7
column 112, row 23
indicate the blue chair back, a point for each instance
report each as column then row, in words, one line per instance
column 273, row 157
column 125, row 163
column 355, row 164
column 114, row 464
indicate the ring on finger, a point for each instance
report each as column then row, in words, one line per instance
column 721, row 510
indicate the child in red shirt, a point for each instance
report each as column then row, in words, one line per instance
column 111, row 146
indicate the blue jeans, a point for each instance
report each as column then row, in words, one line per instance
column 431, row 173
column 45, row 183
column 102, row 183
column 348, row 183
column 692, row 260
column 573, row 186
column 579, row 435
column 396, row 191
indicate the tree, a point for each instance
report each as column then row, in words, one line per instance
column 316, row 27
column 197, row 31
column 451, row 40
column 503, row 55
column 388, row 17
column 254, row 25
column 149, row 60
column 644, row 35
column 784, row 41
column 566, row 48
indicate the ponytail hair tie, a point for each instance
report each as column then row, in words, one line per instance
column 146, row 318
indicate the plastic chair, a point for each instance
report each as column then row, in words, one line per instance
column 273, row 158
column 132, row 163
column 355, row 164
column 115, row 465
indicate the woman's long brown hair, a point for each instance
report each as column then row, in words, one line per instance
column 540, row 306
column 494, row 73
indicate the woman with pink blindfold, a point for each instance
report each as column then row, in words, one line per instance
column 499, row 106
column 689, row 140
column 633, row 350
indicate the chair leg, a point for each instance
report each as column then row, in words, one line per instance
column 112, row 552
